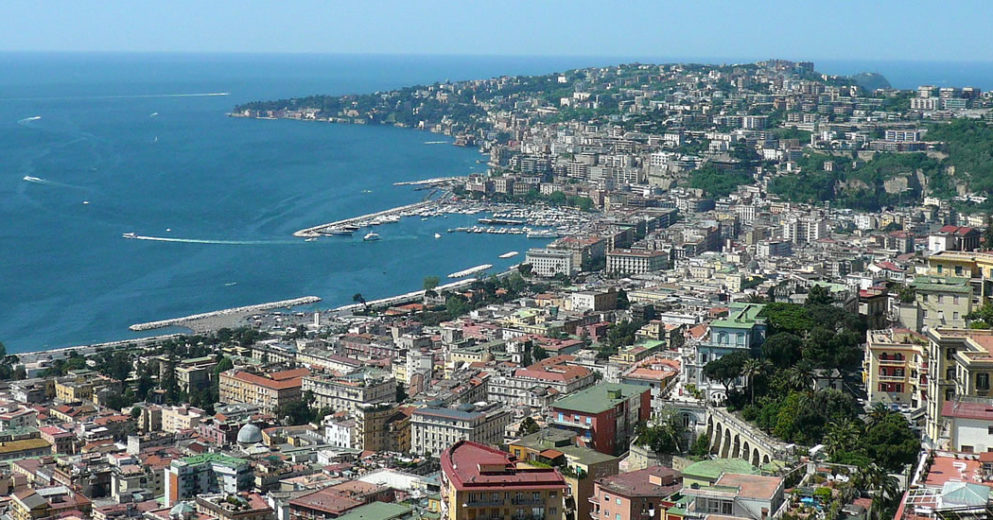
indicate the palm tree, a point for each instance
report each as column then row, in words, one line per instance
column 800, row 376
column 878, row 413
column 754, row 367
column 840, row 437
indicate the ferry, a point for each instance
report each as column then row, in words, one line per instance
column 509, row 254
column 130, row 235
column 437, row 235
column 371, row 236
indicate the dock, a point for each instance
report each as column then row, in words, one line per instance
column 186, row 321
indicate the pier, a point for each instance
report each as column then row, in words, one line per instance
column 247, row 309
column 363, row 220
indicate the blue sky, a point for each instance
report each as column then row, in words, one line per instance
column 834, row 29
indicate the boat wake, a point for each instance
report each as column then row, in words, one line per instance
column 46, row 182
column 27, row 120
column 435, row 142
column 206, row 241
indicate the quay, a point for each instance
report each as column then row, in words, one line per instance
column 361, row 220
column 186, row 320
column 436, row 180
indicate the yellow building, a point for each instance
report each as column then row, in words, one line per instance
column 268, row 391
column 960, row 366
column 969, row 264
column 894, row 366
column 479, row 482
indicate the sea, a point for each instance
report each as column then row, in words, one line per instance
column 96, row 145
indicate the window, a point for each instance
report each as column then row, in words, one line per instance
column 589, row 420
column 989, row 431
column 939, row 298
column 958, row 270
column 955, row 315
column 982, row 381
column 940, row 268
column 618, row 500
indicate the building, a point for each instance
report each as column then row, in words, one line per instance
column 350, row 392
column 14, row 416
column 47, row 502
column 603, row 417
column 937, row 301
column 738, row 496
column 381, row 427
column 968, row 424
column 24, row 448
column 248, row 506
column 631, row 261
column 550, row 262
column 960, row 364
column 895, row 366
column 268, row 392
column 541, row 383
column 182, row 417
column 434, row 429
column 953, row 238
column 481, row 482
column 743, row 330
column 635, row 495
column 206, row 473
column 334, row 501
column 582, row 301
column 805, row 229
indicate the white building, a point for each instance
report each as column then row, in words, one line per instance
column 549, row 262
column 434, row 429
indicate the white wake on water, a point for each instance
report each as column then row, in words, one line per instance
column 28, row 120
column 218, row 242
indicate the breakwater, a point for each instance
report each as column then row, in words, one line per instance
column 361, row 221
column 186, row 321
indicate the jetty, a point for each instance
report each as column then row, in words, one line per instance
column 436, row 180
column 471, row 270
column 247, row 309
column 363, row 220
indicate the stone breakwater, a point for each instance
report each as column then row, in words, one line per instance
column 192, row 320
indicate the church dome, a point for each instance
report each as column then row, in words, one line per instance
column 249, row 434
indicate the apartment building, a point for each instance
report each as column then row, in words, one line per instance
column 350, row 392
column 960, row 365
column 181, row 417
column 206, row 473
column 268, row 391
column 603, row 417
column 480, row 482
column 895, row 367
column 635, row 495
column 434, row 429
column 937, row 301
column 539, row 384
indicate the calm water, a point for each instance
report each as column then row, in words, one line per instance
column 139, row 139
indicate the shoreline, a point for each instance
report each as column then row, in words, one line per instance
column 192, row 320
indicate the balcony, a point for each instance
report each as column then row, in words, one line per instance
column 572, row 424
column 893, row 362
column 489, row 502
column 527, row 501
column 883, row 379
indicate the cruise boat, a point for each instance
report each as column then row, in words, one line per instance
column 371, row 236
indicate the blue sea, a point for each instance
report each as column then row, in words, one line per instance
column 140, row 143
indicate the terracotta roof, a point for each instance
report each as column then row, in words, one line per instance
column 965, row 410
column 472, row 466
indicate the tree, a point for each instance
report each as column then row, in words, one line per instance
column 752, row 368
column 223, row 365
column 622, row 300
column 430, row 282
column 528, row 426
column 525, row 270
column 783, row 349
column 538, row 353
column 401, row 393
column 988, row 232
column 665, row 435
column 841, row 437
column 726, row 369
column 819, row 295
column 358, row 298
column 891, row 443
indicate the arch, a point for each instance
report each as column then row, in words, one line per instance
column 710, row 429
column 746, row 450
column 755, row 457
column 737, row 446
column 726, row 445
column 765, row 459
column 716, row 439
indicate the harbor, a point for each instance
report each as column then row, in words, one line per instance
column 472, row 270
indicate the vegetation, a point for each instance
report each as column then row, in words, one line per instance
column 718, row 183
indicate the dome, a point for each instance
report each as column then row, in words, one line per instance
column 182, row 510
column 249, row 434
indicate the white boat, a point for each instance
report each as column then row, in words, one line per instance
column 437, row 235
column 371, row 236
column 130, row 235
column 509, row 254
column 311, row 239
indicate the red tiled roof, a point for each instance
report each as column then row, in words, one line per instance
column 470, row 466
column 964, row 410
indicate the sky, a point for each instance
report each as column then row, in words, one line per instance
column 907, row 30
